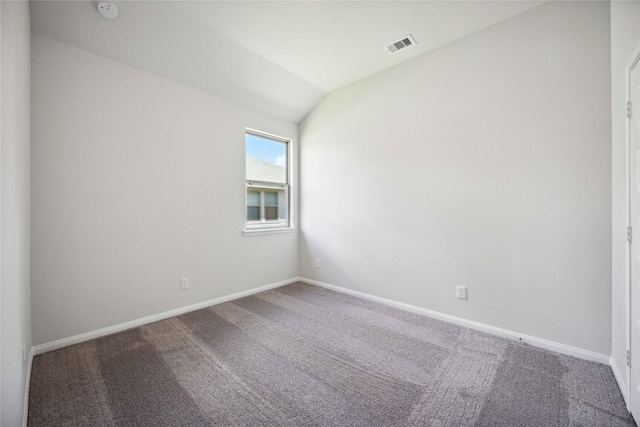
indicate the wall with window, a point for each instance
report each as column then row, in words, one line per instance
column 486, row 163
column 138, row 182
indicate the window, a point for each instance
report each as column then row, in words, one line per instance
column 267, row 181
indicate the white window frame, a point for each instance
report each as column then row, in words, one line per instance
column 264, row 226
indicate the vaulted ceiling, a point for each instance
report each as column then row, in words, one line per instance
column 281, row 57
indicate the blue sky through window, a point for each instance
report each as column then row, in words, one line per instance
column 266, row 149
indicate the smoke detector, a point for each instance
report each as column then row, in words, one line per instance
column 401, row 44
column 108, row 9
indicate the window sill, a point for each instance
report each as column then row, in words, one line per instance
column 264, row 231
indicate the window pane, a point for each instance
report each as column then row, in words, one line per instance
column 266, row 159
column 270, row 198
column 282, row 204
column 253, row 213
column 271, row 212
column 267, row 175
column 253, row 198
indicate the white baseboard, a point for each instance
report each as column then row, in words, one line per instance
column 76, row 339
column 621, row 384
column 25, row 409
column 534, row 341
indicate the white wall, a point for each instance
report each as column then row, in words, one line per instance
column 486, row 163
column 137, row 181
column 15, row 320
column 625, row 36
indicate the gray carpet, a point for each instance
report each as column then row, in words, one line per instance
column 301, row 355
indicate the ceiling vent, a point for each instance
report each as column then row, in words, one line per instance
column 401, row 44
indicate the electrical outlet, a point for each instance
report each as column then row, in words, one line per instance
column 184, row 283
column 317, row 263
column 461, row 292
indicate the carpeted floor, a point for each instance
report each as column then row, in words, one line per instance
column 305, row 356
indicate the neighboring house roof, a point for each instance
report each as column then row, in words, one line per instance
column 261, row 170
